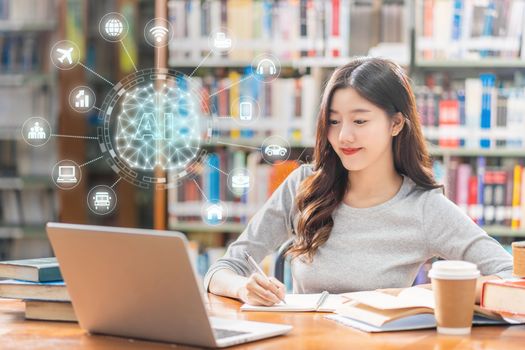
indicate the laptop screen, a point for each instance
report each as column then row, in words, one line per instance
column 66, row 170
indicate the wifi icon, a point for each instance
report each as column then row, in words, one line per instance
column 159, row 33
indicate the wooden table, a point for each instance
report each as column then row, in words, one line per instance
column 311, row 331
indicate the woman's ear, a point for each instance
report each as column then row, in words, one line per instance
column 398, row 121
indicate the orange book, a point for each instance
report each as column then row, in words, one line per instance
column 279, row 173
column 428, row 25
column 516, row 187
column 504, row 296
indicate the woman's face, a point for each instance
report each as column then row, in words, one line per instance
column 359, row 132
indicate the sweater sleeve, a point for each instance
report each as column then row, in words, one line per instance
column 452, row 235
column 268, row 229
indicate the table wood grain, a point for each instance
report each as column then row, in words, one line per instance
column 311, row 331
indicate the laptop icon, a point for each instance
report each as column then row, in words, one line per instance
column 66, row 174
column 141, row 284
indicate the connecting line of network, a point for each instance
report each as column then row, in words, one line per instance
column 157, row 119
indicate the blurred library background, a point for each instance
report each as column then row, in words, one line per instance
column 466, row 60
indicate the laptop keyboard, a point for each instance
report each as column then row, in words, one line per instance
column 224, row 333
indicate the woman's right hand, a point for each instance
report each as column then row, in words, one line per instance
column 259, row 291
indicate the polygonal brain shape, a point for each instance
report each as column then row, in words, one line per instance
column 158, row 127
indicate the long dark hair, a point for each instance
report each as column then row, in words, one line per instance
column 385, row 84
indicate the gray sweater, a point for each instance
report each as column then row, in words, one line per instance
column 369, row 248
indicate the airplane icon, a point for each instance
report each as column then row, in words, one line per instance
column 66, row 54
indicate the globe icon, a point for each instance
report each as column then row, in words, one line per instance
column 113, row 27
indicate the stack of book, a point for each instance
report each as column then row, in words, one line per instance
column 39, row 284
column 413, row 308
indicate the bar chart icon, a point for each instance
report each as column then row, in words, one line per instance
column 82, row 99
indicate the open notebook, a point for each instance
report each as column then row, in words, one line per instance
column 413, row 308
column 321, row 302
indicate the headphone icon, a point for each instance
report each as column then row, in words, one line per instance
column 264, row 64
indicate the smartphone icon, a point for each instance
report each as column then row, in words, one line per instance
column 245, row 111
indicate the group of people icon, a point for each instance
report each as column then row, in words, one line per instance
column 36, row 132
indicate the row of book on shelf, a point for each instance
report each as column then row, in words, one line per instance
column 38, row 283
column 492, row 195
column 472, row 113
column 286, row 106
column 185, row 201
column 21, row 52
column 17, row 11
column 459, row 29
column 290, row 29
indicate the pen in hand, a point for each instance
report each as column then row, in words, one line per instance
column 257, row 268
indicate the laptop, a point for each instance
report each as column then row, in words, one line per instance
column 141, row 284
column 66, row 174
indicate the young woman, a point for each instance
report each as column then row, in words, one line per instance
column 368, row 213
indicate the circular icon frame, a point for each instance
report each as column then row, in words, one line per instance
column 66, row 174
column 88, row 99
column 220, row 41
column 266, row 67
column 32, row 136
column 214, row 213
column 240, row 181
column 69, row 51
column 113, row 16
column 246, row 110
column 100, row 197
column 158, row 32
column 275, row 150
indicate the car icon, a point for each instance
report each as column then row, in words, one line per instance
column 275, row 150
column 102, row 199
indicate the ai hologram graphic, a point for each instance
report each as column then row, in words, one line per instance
column 154, row 119
column 158, row 127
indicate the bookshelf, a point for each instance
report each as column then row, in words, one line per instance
column 27, row 196
column 111, row 62
column 304, row 54
column 422, row 52
column 480, row 46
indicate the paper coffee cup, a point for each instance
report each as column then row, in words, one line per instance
column 518, row 254
column 454, row 287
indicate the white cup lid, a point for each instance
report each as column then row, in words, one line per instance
column 453, row 270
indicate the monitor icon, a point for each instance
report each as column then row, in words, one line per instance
column 66, row 174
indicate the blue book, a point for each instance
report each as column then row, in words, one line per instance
column 267, row 18
column 487, row 82
column 462, row 115
column 34, row 270
column 213, row 178
column 488, row 24
column 456, row 20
